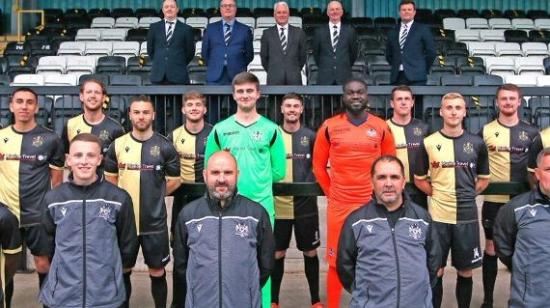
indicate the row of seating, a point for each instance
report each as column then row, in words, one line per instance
column 195, row 22
column 519, row 36
column 457, row 23
column 508, row 49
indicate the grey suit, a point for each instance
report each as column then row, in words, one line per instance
column 334, row 67
column 283, row 68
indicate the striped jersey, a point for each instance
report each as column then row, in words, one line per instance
column 408, row 139
column 190, row 148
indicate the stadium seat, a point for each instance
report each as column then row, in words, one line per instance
column 51, row 65
column 543, row 81
column 61, row 80
column 454, row 23
column 522, row 24
column 146, row 12
column 508, row 49
column 256, row 46
column 122, row 12
column 494, row 35
column 516, row 36
column 99, row 48
column 72, row 48
column 468, row 13
column 249, row 21
column 256, row 63
column 258, row 32
column 265, row 22
column 500, row 23
column 114, row 34
column 93, row 13
column 466, row 35
column 138, row 65
column 471, row 71
column 103, row 22
column 477, row 23
column 146, row 21
column 198, row 48
column 126, row 22
column 39, row 48
column 17, row 49
column 381, row 78
column 263, row 12
column 521, row 81
column 481, row 48
column 490, row 13
column 529, row 66
column 126, row 49
column 546, row 63
column 534, row 49
column 125, row 80
column 88, row 35
column 444, row 13
column 197, row 75
column 534, row 14
column 542, row 36
column 197, row 22
column 104, row 78
column 139, row 35
column 81, row 65
column 477, row 116
column 213, row 19
column 501, row 66
column 295, row 21
column 26, row 80
column 433, row 80
column 456, row 80
column 487, row 80
column 143, row 49
column 189, row 12
column 111, row 64
column 376, row 63
column 244, row 12
column 542, row 23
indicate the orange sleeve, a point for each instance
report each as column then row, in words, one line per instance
column 320, row 158
column 388, row 143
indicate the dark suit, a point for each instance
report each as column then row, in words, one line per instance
column 283, row 68
column 334, row 67
column 418, row 53
column 238, row 54
column 170, row 59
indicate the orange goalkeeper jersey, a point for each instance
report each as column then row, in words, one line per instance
column 351, row 150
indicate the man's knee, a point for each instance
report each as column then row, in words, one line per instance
column 279, row 254
column 490, row 247
column 156, row 272
column 465, row 273
column 310, row 253
column 42, row 264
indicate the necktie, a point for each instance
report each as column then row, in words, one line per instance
column 227, row 34
column 334, row 37
column 403, row 36
column 170, row 31
column 283, row 40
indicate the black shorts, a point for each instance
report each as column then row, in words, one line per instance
column 306, row 231
column 489, row 213
column 36, row 239
column 463, row 241
column 154, row 247
column 10, row 236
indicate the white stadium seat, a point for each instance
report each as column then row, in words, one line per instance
column 126, row 22
column 534, row 49
column 61, row 80
column 51, row 65
column 71, row 48
column 477, row 23
column 114, row 34
column 126, row 49
column 103, row 22
column 88, row 35
column 26, row 80
column 145, row 22
column 454, row 23
column 99, row 48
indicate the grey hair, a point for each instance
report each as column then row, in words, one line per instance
column 542, row 153
column 280, row 3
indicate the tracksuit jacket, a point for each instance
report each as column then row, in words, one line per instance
column 224, row 255
column 386, row 267
column 93, row 232
column 522, row 239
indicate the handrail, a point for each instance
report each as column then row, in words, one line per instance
column 19, row 21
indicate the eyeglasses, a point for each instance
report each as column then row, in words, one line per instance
column 226, row 6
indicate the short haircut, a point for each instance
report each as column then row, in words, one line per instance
column 404, row 2
column 24, row 89
column 361, row 81
column 544, row 152
column 509, row 87
column 234, row 1
column 176, row 1
column 96, row 81
column 194, row 95
column 388, row 159
column 280, row 3
column 452, row 95
column 337, row 1
column 142, row 98
column 402, row 88
column 293, row 95
column 245, row 77
column 86, row 137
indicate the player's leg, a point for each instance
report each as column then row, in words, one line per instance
column 282, row 232
column 180, row 199
column 307, row 240
column 10, row 253
column 37, row 244
column 490, row 260
column 466, row 255
column 445, row 240
column 334, row 287
column 156, row 254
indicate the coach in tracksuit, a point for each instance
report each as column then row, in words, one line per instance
column 522, row 240
column 224, row 248
column 387, row 254
column 90, row 223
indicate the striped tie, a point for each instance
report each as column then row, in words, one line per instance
column 283, row 40
column 334, row 38
column 170, row 31
column 403, row 36
column 227, row 34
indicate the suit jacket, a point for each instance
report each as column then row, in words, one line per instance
column 334, row 67
column 170, row 59
column 239, row 52
column 418, row 52
column 283, row 69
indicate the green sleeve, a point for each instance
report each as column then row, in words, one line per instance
column 212, row 146
column 278, row 157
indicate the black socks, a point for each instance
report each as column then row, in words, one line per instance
column 159, row 289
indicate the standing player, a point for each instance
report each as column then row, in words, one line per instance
column 408, row 134
column 507, row 140
column 300, row 212
column 145, row 164
column 31, row 163
column 351, row 141
column 10, row 250
column 93, row 120
column 257, row 145
column 190, row 142
column 459, row 170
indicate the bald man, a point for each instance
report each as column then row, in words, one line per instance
column 223, row 241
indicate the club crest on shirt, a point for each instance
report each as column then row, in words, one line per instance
column 37, row 141
column 371, row 132
column 199, row 227
column 78, row 131
column 63, row 211
column 523, row 136
column 304, row 141
column 155, row 151
column 417, row 131
column 438, row 147
column 103, row 135
column 533, row 212
column 241, row 230
column 468, row 148
column 104, row 212
column 182, row 140
column 6, row 140
column 127, row 149
column 256, row 135
column 496, row 134
column 415, row 232
column 369, row 228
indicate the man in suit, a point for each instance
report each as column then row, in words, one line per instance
column 410, row 48
column 226, row 46
column 170, row 46
column 283, row 49
column 334, row 47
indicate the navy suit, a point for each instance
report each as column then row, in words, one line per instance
column 238, row 54
column 170, row 59
column 418, row 53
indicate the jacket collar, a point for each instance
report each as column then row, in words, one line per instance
column 214, row 203
column 539, row 196
column 100, row 178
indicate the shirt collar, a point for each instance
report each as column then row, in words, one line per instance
column 408, row 24
column 282, row 26
column 230, row 23
column 173, row 21
column 338, row 24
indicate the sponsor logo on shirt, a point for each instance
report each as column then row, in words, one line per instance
column 371, row 132
column 453, row 164
column 231, row 133
column 241, row 230
column 256, row 135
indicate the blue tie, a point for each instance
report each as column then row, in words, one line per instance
column 227, row 34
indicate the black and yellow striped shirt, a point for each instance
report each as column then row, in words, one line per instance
column 190, row 149
column 408, row 139
column 107, row 131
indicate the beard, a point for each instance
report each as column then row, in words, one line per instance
column 221, row 195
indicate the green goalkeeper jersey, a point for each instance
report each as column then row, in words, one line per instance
column 260, row 153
